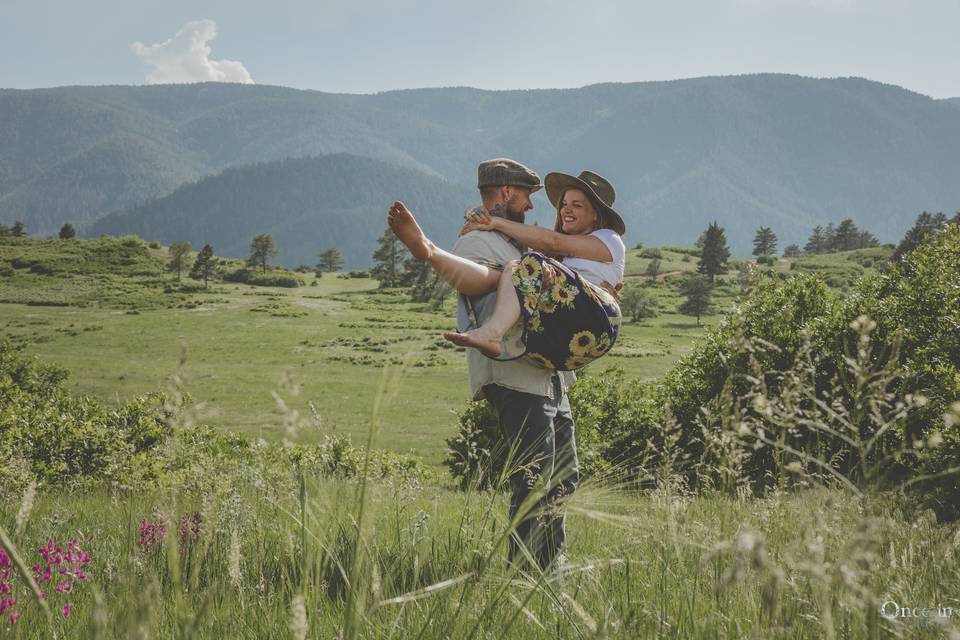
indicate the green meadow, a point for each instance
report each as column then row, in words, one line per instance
column 323, row 344
column 288, row 532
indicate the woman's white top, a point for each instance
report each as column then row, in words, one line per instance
column 595, row 271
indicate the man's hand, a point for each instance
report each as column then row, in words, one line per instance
column 612, row 290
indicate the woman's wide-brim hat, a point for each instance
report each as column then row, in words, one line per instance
column 598, row 189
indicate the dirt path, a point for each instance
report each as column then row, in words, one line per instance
column 663, row 276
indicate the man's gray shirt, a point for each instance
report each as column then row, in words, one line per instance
column 493, row 249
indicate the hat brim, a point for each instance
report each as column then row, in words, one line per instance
column 556, row 184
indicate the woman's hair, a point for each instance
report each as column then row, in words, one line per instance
column 601, row 222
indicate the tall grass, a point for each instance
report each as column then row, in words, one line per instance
column 283, row 554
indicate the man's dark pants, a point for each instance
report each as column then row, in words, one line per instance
column 539, row 434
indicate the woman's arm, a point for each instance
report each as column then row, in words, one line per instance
column 466, row 276
column 545, row 240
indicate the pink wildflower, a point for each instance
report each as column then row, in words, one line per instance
column 189, row 531
column 6, row 603
column 60, row 569
column 152, row 534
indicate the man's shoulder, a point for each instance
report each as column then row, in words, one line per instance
column 486, row 245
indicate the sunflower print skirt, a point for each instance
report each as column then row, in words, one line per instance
column 567, row 323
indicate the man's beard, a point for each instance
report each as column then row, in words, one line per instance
column 504, row 210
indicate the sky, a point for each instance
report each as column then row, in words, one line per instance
column 367, row 46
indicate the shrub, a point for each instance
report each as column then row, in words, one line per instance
column 62, row 436
column 767, row 260
column 651, row 254
column 476, row 456
column 269, row 279
column 897, row 383
column 52, row 436
column 687, row 251
column 638, row 303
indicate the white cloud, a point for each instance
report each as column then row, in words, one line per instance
column 186, row 58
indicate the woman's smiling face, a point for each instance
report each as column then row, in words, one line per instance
column 577, row 215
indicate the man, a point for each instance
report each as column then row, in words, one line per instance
column 530, row 402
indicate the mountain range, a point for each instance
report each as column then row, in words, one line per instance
column 782, row 151
column 307, row 204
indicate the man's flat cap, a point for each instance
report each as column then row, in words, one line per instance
column 501, row 172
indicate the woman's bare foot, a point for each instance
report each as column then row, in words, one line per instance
column 489, row 346
column 405, row 227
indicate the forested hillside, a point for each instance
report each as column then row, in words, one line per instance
column 306, row 204
column 782, row 151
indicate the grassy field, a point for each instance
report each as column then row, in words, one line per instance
column 260, row 550
column 321, row 344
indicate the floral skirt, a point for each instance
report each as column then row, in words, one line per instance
column 567, row 323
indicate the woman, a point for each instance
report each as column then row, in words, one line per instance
column 569, row 319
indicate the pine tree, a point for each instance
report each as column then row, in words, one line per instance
column 67, row 232
column 866, row 239
column 698, row 292
column 925, row 225
column 701, row 239
column 713, row 259
column 330, row 260
column 389, row 258
column 765, row 242
column 847, row 235
column 817, row 243
column 829, row 239
column 262, row 248
column 178, row 257
column 205, row 266
column 18, row 230
column 425, row 285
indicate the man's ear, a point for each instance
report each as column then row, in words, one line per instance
column 505, row 193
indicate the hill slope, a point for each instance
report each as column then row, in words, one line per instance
column 777, row 150
column 307, row 204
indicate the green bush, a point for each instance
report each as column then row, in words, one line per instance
column 268, row 279
column 639, row 303
column 794, row 339
column 476, row 456
column 767, row 260
column 687, row 251
column 54, row 437
column 61, row 436
column 651, row 254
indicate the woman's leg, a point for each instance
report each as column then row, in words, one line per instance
column 464, row 275
column 505, row 314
